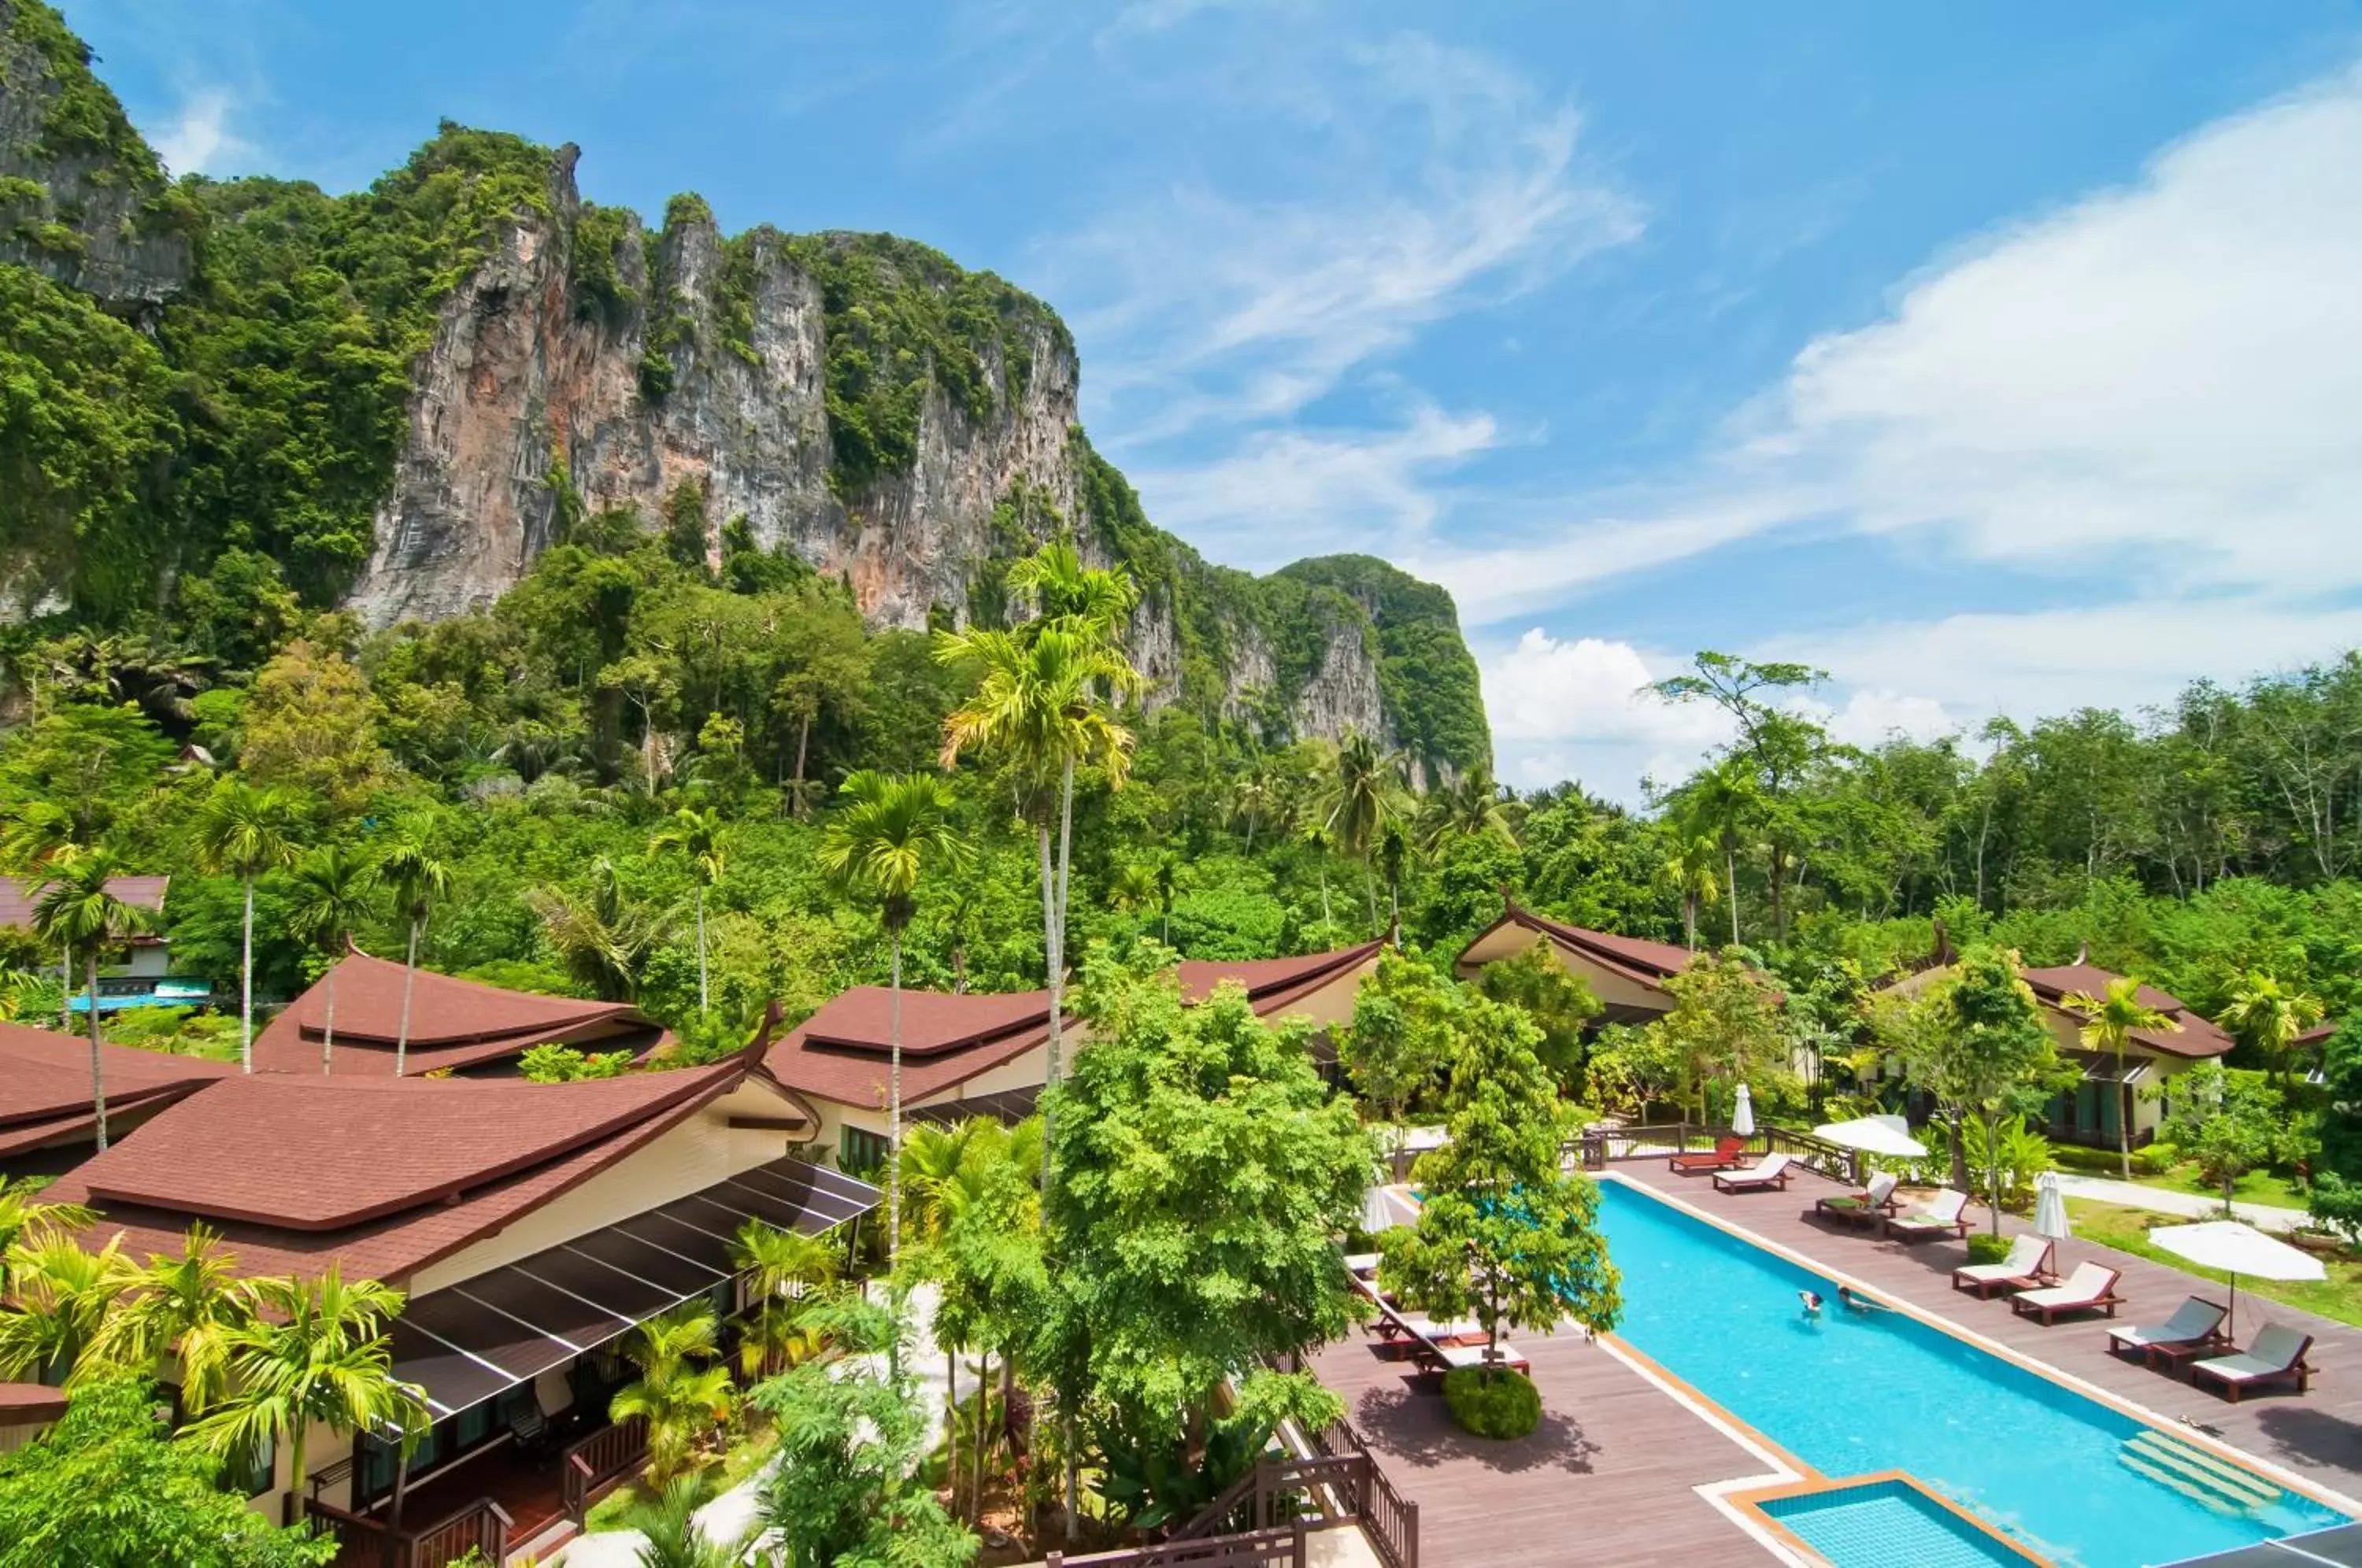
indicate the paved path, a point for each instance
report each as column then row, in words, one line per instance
column 2158, row 1200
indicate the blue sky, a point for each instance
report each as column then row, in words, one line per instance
column 1997, row 359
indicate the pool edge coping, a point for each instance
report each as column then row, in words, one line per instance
column 1753, row 1499
column 2160, row 1422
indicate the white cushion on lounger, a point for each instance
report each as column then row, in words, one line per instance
column 2275, row 1351
column 2090, row 1282
column 2193, row 1319
column 1456, row 1356
column 2025, row 1252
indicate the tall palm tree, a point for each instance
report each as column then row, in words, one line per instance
column 418, row 881
column 2109, row 1023
column 602, row 936
column 682, row 1398
column 704, row 840
column 1038, row 703
column 1365, row 793
column 2269, row 1016
column 1316, row 838
column 37, row 833
column 78, row 910
column 1688, row 867
column 1394, row 853
column 191, row 1308
column 58, row 1298
column 245, row 832
column 676, row 1538
column 892, row 836
column 1719, row 805
column 1469, row 807
column 313, row 1351
column 782, row 1267
column 335, row 890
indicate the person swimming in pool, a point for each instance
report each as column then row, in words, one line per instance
column 1853, row 1300
column 1811, row 1300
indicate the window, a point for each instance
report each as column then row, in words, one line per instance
column 252, row 1472
column 861, row 1149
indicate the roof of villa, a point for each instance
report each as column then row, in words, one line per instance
column 1637, row 958
column 453, row 1024
column 17, row 896
column 1273, row 983
column 384, row 1176
column 45, row 1083
column 2198, row 1036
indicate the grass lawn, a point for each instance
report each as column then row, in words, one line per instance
column 2256, row 1186
column 2126, row 1229
column 608, row 1512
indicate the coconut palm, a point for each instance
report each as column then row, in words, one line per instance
column 191, row 1308
column 892, row 834
column 2269, row 1017
column 1365, row 794
column 682, row 1398
column 601, row 935
column 2109, row 1023
column 335, row 890
column 244, row 832
column 704, row 840
column 59, row 1297
column 674, row 1537
column 1719, row 805
column 78, row 910
column 1394, row 854
column 1316, row 838
column 1468, row 807
column 417, row 881
column 315, row 1351
column 1688, row 868
column 1133, row 886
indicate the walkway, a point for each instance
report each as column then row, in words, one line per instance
column 2158, row 1200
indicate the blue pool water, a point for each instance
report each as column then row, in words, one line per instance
column 1848, row 1394
column 1887, row 1522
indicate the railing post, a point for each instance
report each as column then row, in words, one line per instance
column 1411, row 1535
column 1056, row 1560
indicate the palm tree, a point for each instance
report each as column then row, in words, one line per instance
column 702, row 839
column 37, row 833
column 1317, row 838
column 1037, row 702
column 780, row 1266
column 191, row 1306
column 1394, row 852
column 1688, row 866
column 1133, row 886
column 24, row 1218
column 2270, row 1017
column 417, row 880
column 1469, row 807
column 2109, row 1023
column 1365, row 794
column 244, row 832
column 59, row 1297
column 1718, row 805
column 682, row 1399
column 334, row 891
column 79, row 912
column 603, row 937
column 315, row 1351
column 674, row 1537
column 892, row 836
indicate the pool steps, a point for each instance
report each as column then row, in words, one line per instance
column 2214, row 1483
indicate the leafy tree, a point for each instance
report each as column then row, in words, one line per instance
column 25, row 1218
column 2230, row 1122
column 553, row 1064
column 1776, row 747
column 106, row 1487
column 2269, row 1017
column 310, row 727
column 702, row 839
column 77, row 910
column 681, row 1390
column 2110, row 1022
column 1560, row 1004
column 1725, row 1026
column 191, row 1308
column 603, row 935
column 890, row 836
column 1405, row 1027
column 1506, row 1232
column 334, row 891
column 418, row 880
column 245, row 832
column 59, row 1297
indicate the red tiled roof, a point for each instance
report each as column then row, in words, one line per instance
column 17, row 896
column 45, row 1083
column 453, row 1024
column 384, row 1177
column 933, row 1022
column 1637, row 958
column 2198, row 1036
column 1272, row 983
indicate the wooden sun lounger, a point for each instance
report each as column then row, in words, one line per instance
column 1725, row 1155
column 2091, row 1288
column 1453, row 1357
column 1867, row 1206
column 1772, row 1173
column 2277, row 1356
column 2027, row 1267
column 1946, row 1214
column 2196, row 1322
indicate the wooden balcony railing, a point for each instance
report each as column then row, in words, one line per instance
column 1265, row 1518
column 366, row 1543
column 588, row 1467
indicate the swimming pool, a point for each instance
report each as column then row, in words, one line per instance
column 2075, row 1480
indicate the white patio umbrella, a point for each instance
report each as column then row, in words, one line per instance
column 2236, row 1248
column 1379, row 1210
column 2050, row 1209
column 1742, row 1115
column 1885, row 1135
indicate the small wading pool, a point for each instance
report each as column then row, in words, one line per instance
column 2073, row 1480
column 1887, row 1520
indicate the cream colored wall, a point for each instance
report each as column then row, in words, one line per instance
column 1612, row 987
column 12, row 1438
column 697, row 1154
column 1332, row 1004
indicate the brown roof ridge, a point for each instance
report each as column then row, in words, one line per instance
column 1595, row 944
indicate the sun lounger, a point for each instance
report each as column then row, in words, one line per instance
column 2196, row 1321
column 2027, row 1267
column 1866, row 1206
column 2278, row 1356
column 2091, row 1287
column 1771, row 1173
column 1362, row 1266
column 1725, row 1155
column 1453, row 1357
column 1942, row 1215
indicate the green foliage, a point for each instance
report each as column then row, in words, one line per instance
column 2230, row 1122
column 1725, row 1028
column 1409, row 1024
column 1493, row 1402
column 1561, row 1005
column 106, row 1487
column 594, row 276
column 555, row 1064
column 1988, row 1249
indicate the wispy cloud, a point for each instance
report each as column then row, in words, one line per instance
column 199, row 139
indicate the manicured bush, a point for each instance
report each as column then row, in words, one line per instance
column 2156, row 1160
column 1988, row 1249
column 1493, row 1402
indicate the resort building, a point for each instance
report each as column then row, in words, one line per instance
column 1627, row 974
column 48, row 1120
column 145, row 977
column 967, row 1056
column 532, row 1225
column 456, row 1026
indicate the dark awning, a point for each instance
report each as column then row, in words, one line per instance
column 470, row 1341
column 2099, row 1066
column 1007, row 1107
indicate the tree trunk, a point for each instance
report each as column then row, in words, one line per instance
column 803, row 734
column 701, row 948
column 1959, row 1149
column 1370, row 894
column 1325, row 919
column 328, row 1036
column 951, row 1426
column 1689, row 917
column 1057, row 1001
column 983, row 1415
column 409, row 975
column 2124, row 1118
column 1050, row 955
column 1730, row 885
column 1992, row 1173
column 65, row 991
column 97, row 1068
column 245, row 986
column 894, row 1112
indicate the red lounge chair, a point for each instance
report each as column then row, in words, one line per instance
column 1726, row 1157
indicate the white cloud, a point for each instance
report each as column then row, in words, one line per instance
column 1873, row 716
column 200, row 141
column 1580, row 708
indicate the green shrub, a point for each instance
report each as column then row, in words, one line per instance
column 2156, row 1160
column 1494, row 1403
column 1988, row 1249
column 2075, row 1157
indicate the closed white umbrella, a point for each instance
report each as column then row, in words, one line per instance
column 1742, row 1115
column 2050, row 1209
column 2236, row 1248
column 1378, row 1210
column 1888, row 1136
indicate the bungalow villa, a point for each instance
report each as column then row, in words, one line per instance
column 472, row 1030
column 967, row 1056
column 532, row 1226
column 1627, row 974
column 2091, row 1112
column 145, row 977
column 48, row 1123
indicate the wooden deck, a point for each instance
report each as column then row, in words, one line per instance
column 1611, row 1476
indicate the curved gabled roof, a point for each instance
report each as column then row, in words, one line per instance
column 2198, row 1036
column 1272, row 983
column 1639, row 959
column 45, row 1083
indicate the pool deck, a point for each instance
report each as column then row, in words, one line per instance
column 1612, row 1475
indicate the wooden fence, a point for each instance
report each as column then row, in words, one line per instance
column 366, row 1543
column 587, row 1468
column 1267, row 1517
column 1599, row 1145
